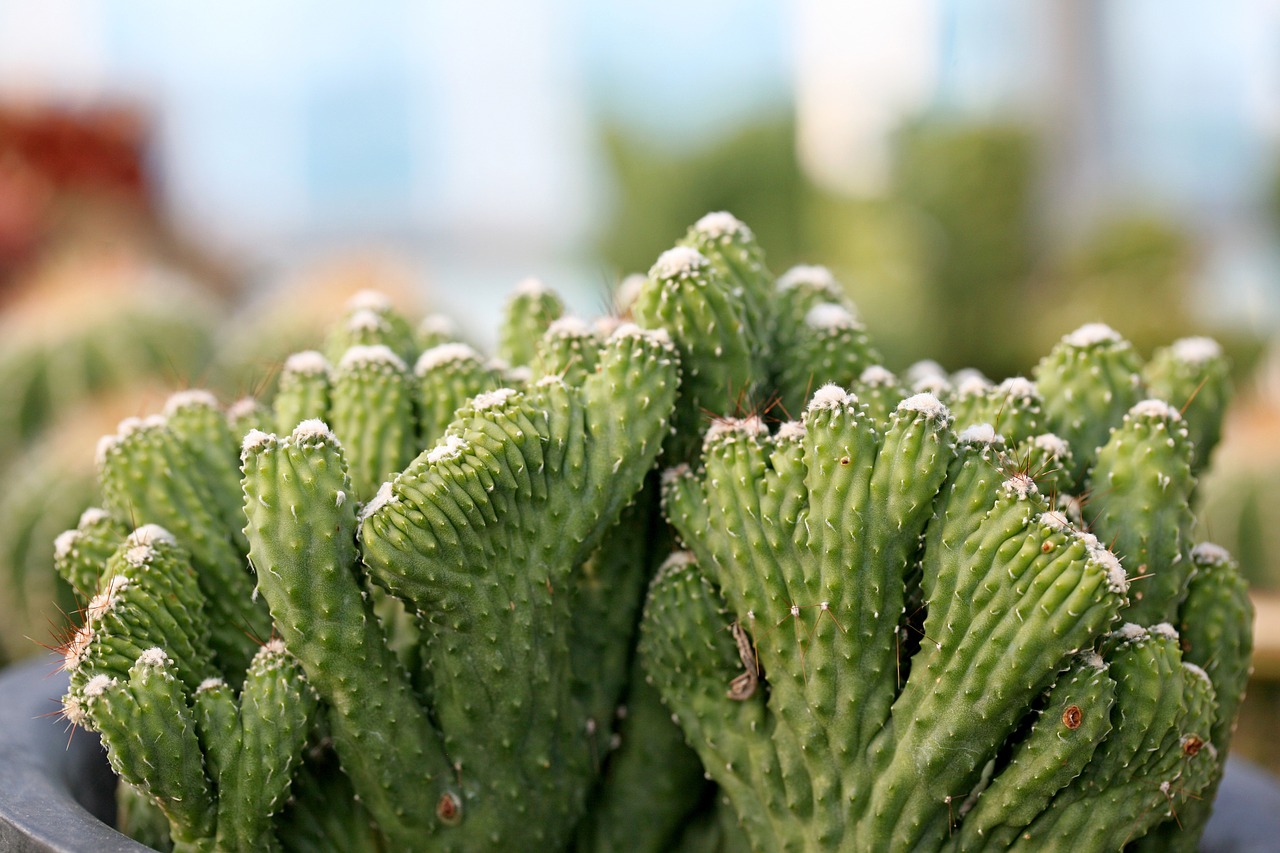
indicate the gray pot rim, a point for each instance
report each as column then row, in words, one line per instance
column 57, row 792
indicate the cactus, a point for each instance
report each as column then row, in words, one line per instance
column 930, row 612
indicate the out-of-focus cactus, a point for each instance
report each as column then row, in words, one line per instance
column 938, row 612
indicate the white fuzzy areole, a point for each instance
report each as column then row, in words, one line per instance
column 1055, row 446
column 1092, row 659
column 368, row 300
column 366, row 354
column 831, row 396
column 978, row 434
column 877, row 374
column 1130, row 633
column 749, row 426
column 1211, row 554
column 243, row 407
column 670, row 475
column 444, row 354
column 569, row 325
column 493, row 399
column 211, row 683
column 154, row 656
column 1092, row 333
column 926, row 404
column 312, row 428
column 971, row 383
column 829, row 315
column 98, row 685
column 254, row 439
column 93, row 515
column 1153, row 408
column 138, row 555
column 65, row 543
column 1018, row 386
column 384, row 496
column 366, row 320
column 274, row 646
column 150, row 534
column 1197, row 672
column 307, row 363
column 189, row 397
column 678, row 262
column 678, row 562
column 719, row 224
column 1021, row 485
column 447, row 450
column 631, row 330
column 438, row 324
column 926, row 369
column 104, row 600
column 1055, row 520
column 1117, row 577
column 1164, row 629
column 808, row 274
column 530, row 286
column 1196, row 350
column 791, row 431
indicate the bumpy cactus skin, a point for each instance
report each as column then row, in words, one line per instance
column 398, row 607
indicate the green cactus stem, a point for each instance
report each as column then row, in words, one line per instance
column 1194, row 376
column 303, row 391
column 530, row 311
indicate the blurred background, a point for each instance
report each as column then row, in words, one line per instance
column 187, row 190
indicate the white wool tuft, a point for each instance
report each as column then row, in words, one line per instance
column 1055, row 520
column 631, row 330
column 1164, row 629
column 791, row 431
column 98, row 685
column 678, row 263
column 1055, row 446
column 154, row 656
column 670, row 475
column 569, row 325
column 384, row 496
column 444, row 354
column 190, row 397
column 65, row 543
column 1021, row 485
column 1017, row 386
column 93, row 515
column 150, row 534
column 1211, row 554
column 1092, row 659
column 307, row 363
column 450, row 448
column 978, row 434
column 877, row 374
column 493, row 399
column 530, row 287
column 970, row 383
column 376, row 354
column 1092, row 333
column 720, row 224
column 368, row 300
column 211, row 683
column 1117, row 577
column 312, row 428
column 628, row 290
column 1130, row 633
column 926, row 404
column 274, row 646
column 1155, row 409
column 829, row 315
column 254, row 439
column 831, row 396
column 438, row 324
column 243, row 407
column 749, row 426
column 810, row 274
column 1196, row 350
column 1197, row 672
column 366, row 320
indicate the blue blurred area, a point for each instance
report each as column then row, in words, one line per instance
column 470, row 132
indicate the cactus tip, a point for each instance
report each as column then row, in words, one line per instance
column 370, row 354
column 831, row 396
column 1196, row 350
column 1156, row 409
column 306, row 363
column 493, row 399
column 531, row 287
column 365, row 320
column 569, row 326
column 791, row 431
column 190, row 397
column 877, row 374
column 751, row 426
column 255, row 439
column 1130, row 632
column 438, row 324
column 1051, row 444
column 150, row 534
column 1020, row 485
column 810, row 274
column 830, row 316
column 679, row 262
column 65, row 543
column 1165, row 630
column 1210, row 554
column 154, row 657
column 1092, row 333
column 444, row 354
column 211, row 683
column 384, row 496
column 1017, row 386
column 368, row 300
column 631, row 330
column 98, row 685
column 450, row 448
column 926, row 404
column 983, row 433
column 311, row 428
column 721, row 224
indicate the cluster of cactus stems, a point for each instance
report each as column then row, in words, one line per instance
column 426, row 600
